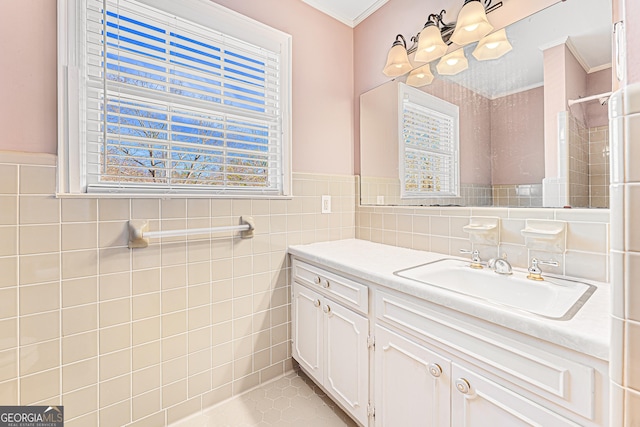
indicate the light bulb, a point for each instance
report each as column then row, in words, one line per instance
column 472, row 27
column 452, row 61
column 430, row 48
column 420, row 75
column 493, row 45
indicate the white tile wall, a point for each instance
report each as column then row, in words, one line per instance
column 624, row 110
column 440, row 230
column 147, row 336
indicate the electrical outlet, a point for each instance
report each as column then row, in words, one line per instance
column 380, row 200
column 326, row 204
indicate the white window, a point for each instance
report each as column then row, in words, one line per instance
column 162, row 96
column 429, row 155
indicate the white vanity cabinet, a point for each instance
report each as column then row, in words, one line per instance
column 431, row 365
column 466, row 374
column 329, row 340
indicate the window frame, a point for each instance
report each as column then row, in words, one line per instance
column 72, row 139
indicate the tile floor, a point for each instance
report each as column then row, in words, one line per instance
column 292, row 400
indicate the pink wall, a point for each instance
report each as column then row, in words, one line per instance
column 575, row 84
column 379, row 124
column 475, row 129
column 323, row 117
column 323, row 101
column 564, row 79
column 517, row 138
column 28, row 75
column 325, row 134
column 632, row 27
column 597, row 83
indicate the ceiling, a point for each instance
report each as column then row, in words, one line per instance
column 349, row 12
column 584, row 25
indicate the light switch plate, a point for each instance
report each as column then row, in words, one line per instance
column 326, row 204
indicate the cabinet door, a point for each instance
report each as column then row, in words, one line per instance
column 346, row 375
column 479, row 402
column 307, row 337
column 412, row 383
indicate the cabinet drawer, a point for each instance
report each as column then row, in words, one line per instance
column 557, row 379
column 352, row 294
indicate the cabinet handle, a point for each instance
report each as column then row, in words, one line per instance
column 326, row 284
column 317, row 303
column 327, row 309
column 317, row 280
column 435, row 370
column 463, row 386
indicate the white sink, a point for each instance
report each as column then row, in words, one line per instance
column 553, row 298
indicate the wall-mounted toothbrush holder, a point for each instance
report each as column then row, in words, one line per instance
column 545, row 235
column 483, row 230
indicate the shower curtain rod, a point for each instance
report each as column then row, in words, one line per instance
column 139, row 235
column 589, row 98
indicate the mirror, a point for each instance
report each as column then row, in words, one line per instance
column 520, row 128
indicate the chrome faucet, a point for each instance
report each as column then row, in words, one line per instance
column 476, row 262
column 535, row 273
column 500, row 266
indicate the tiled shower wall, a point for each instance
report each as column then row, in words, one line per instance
column 578, row 145
column 588, row 165
column 599, row 166
column 517, row 195
column 146, row 336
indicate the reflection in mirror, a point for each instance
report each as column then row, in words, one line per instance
column 526, row 138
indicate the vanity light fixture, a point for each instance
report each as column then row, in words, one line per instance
column 472, row 23
column 452, row 63
column 430, row 43
column 492, row 46
column 433, row 40
column 397, row 59
column 421, row 76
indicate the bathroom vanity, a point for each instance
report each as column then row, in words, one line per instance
column 393, row 351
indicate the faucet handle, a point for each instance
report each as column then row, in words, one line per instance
column 535, row 273
column 476, row 262
column 550, row 262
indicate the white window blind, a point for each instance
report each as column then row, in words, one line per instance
column 429, row 147
column 171, row 104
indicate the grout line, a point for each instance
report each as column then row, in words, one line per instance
column 18, row 278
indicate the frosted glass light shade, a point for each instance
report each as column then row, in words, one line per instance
column 492, row 46
column 472, row 24
column 430, row 44
column 420, row 76
column 452, row 63
column 397, row 61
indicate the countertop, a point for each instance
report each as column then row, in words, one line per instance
column 587, row 332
